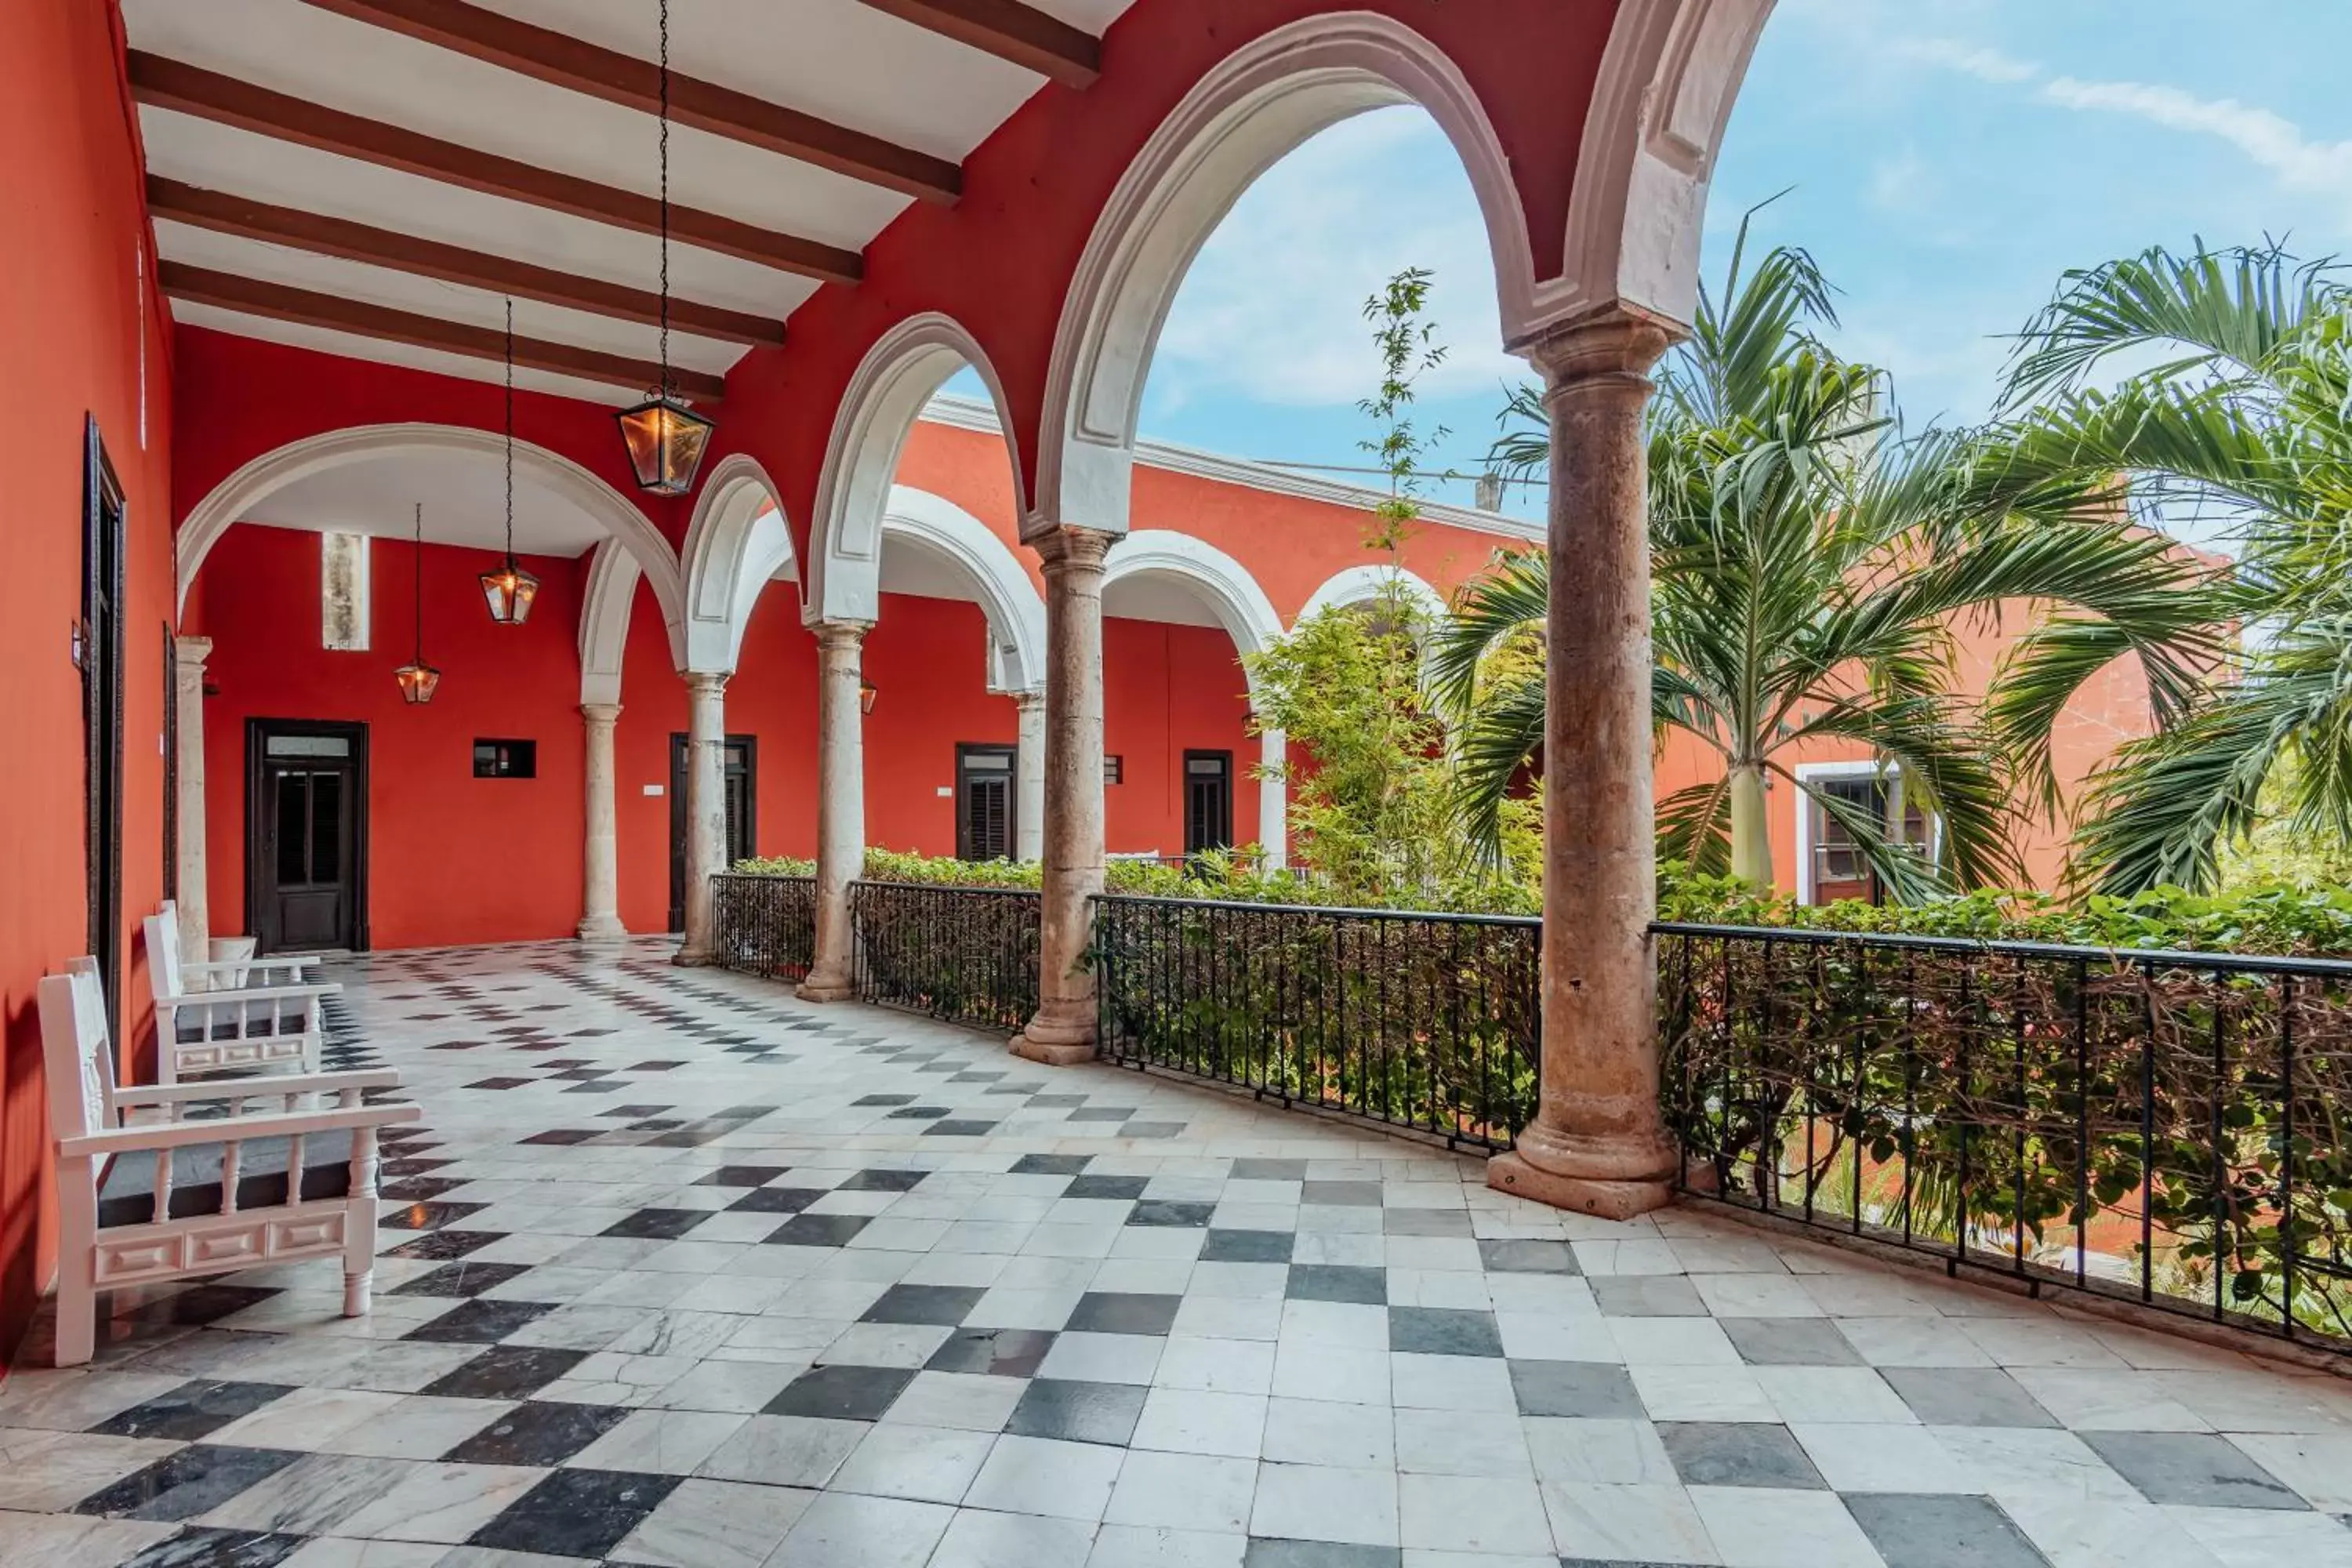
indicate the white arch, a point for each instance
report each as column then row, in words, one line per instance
column 901, row 373
column 736, row 544
column 1255, row 107
column 1242, row 607
column 613, row 578
column 1668, row 80
column 1362, row 585
column 1016, row 613
column 272, row 471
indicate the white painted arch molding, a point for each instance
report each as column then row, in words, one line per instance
column 1219, row 581
column 736, row 544
column 274, row 470
column 1255, row 107
column 1016, row 614
column 1669, row 78
column 906, row 366
column 613, row 578
column 1363, row 584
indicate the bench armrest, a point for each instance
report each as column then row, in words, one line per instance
column 232, row 1129
column 256, row 1088
column 258, row 993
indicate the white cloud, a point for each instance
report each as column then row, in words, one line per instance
column 1272, row 310
column 1969, row 59
column 2272, row 141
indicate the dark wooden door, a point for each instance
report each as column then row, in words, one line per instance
column 306, row 848
column 986, row 807
column 98, row 648
column 1208, row 801
column 742, row 775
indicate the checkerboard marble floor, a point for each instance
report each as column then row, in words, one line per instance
column 682, row 1272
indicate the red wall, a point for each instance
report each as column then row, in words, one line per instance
column 78, row 337
column 452, row 859
column 1167, row 690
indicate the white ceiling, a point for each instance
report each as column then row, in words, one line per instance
column 465, row 503
column 1159, row 596
column 839, row 60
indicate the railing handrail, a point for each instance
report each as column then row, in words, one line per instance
column 1440, row 917
column 764, row 876
column 940, row 887
column 2121, row 957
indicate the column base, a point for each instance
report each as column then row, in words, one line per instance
column 692, row 958
column 601, row 927
column 1056, row 1039
column 823, row 987
column 1606, row 1197
column 1053, row 1054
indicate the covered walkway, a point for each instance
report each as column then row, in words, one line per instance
column 680, row 1270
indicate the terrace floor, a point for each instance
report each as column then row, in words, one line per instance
column 688, row 1273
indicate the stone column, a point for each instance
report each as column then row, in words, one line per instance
column 1599, row 1143
column 600, row 902
column 840, row 805
column 188, row 656
column 1274, row 800
column 1029, row 776
column 1063, row 1029
column 706, row 807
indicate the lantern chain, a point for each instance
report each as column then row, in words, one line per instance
column 665, row 199
column 509, row 430
column 420, row 582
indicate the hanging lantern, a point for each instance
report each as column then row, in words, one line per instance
column 866, row 692
column 666, row 439
column 419, row 681
column 506, row 586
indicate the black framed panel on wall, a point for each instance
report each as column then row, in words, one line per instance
column 98, row 650
column 306, row 833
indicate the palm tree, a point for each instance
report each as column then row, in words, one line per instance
column 1810, row 566
column 2248, row 415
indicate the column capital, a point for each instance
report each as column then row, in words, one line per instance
column 1614, row 341
column 1067, row 549
column 601, row 712
column 705, row 682
column 1027, row 702
column 840, row 634
column 191, row 650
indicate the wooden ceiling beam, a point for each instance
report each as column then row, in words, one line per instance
column 1011, row 31
column 567, row 62
column 172, row 84
column 247, row 219
column 306, row 307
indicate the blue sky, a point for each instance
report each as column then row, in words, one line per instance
column 1946, row 160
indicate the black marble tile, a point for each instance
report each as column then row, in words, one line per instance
column 479, row 1322
column 1942, row 1530
column 884, row 1181
column 742, row 1176
column 444, row 1245
column 1051, row 1164
column 1164, row 1212
column 819, row 1229
column 543, row 1433
column 2191, row 1469
column 886, row 1100
column 1337, row 1283
column 200, row 1305
column 1247, row 1247
column 500, row 1083
column 1266, row 1552
column 1152, row 1129
column 665, row 1224
column 1107, row 1188
column 842, row 1392
column 777, row 1200
column 1789, row 1342
column 1738, row 1454
column 1442, row 1331
column 1078, row 1412
column 1000, row 1353
column 462, row 1279
column 506, row 1372
column 1102, row 1113
column 200, row 1546
column 1269, row 1169
column 427, row 1216
column 941, row 1305
column 1341, row 1194
column 417, row 1189
column 1524, row 1256
column 1580, row 1389
column 195, row 1479
column 919, row 1113
column 1123, row 1312
column 191, row 1411
column 575, row 1513
column 957, row 1127
column 563, row 1135
column 1452, row 1222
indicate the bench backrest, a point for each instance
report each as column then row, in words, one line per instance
column 164, row 952
column 77, row 1053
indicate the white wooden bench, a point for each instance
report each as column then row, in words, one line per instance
column 209, row 1018
column 152, row 1188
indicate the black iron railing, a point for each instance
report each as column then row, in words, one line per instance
column 1419, row 1021
column 765, row 925
column 965, row 955
column 2167, row 1128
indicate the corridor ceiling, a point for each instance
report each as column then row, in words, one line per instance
column 373, row 178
